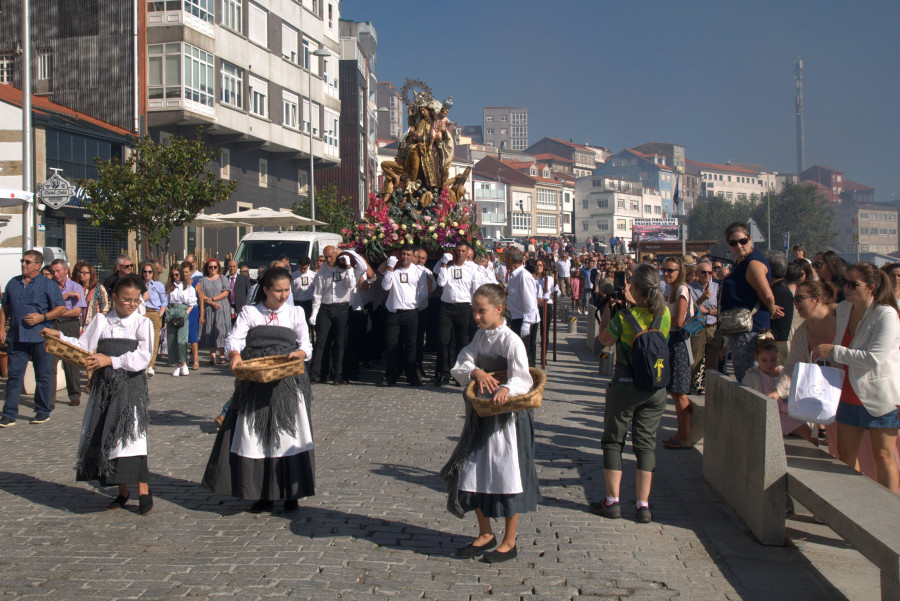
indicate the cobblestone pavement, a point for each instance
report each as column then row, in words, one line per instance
column 377, row 528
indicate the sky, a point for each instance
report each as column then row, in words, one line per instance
column 714, row 76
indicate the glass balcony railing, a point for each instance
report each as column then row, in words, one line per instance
column 490, row 193
column 493, row 218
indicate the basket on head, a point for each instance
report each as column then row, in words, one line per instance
column 65, row 351
column 530, row 400
column 269, row 369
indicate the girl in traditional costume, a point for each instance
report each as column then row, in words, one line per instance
column 492, row 468
column 113, row 445
column 264, row 449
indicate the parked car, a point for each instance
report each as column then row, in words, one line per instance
column 503, row 243
column 258, row 249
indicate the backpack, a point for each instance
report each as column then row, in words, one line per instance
column 649, row 363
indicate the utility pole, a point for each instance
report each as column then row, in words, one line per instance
column 28, row 209
column 798, row 106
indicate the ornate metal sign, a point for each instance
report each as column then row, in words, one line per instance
column 56, row 191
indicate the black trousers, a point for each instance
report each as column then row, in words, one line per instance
column 331, row 323
column 516, row 326
column 400, row 344
column 357, row 324
column 69, row 327
column 420, row 336
column 453, row 325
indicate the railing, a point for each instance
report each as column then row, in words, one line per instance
column 490, row 193
column 493, row 218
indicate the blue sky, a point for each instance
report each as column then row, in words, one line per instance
column 715, row 76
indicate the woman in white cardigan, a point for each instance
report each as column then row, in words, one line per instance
column 867, row 342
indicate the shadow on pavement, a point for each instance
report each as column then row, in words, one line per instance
column 413, row 475
column 63, row 497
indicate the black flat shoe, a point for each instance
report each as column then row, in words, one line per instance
column 117, row 503
column 499, row 556
column 471, row 550
column 291, row 505
column 261, row 506
column 145, row 503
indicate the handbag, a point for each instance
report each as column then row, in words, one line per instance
column 737, row 321
column 176, row 322
column 815, row 393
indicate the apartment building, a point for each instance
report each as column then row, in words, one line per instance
column 490, row 199
column 391, row 113
column 608, row 206
column 651, row 170
column 872, row 226
column 837, row 188
column 733, row 182
column 506, row 127
column 583, row 159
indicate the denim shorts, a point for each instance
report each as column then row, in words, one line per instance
column 856, row 415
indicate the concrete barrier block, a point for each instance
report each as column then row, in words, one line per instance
column 28, row 383
column 743, row 455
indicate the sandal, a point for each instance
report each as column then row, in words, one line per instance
column 674, row 445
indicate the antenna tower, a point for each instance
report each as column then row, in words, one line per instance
column 798, row 105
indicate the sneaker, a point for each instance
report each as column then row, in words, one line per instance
column 40, row 418
column 611, row 512
column 5, row 422
column 643, row 515
column 184, row 370
column 177, row 372
column 150, row 372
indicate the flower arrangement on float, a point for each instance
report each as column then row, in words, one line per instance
column 387, row 227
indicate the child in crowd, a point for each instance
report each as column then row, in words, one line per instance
column 764, row 377
column 113, row 446
column 492, row 468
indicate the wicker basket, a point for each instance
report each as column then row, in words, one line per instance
column 530, row 400
column 269, row 369
column 65, row 351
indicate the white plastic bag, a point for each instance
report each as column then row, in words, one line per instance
column 815, row 393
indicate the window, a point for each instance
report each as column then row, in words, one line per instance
column 521, row 221
column 314, row 119
column 546, row 199
column 45, row 64
column 490, row 131
column 602, row 226
column 306, row 116
column 224, row 163
column 620, row 204
column 330, row 15
column 258, row 96
column 263, row 173
column 648, row 209
column 584, row 203
column 301, row 181
column 331, row 134
column 306, row 54
column 231, row 14
column 503, row 131
column 657, row 210
column 503, row 117
column 620, row 224
column 602, row 203
column 202, row 9
column 489, row 118
column 289, row 37
column 166, row 82
column 547, row 222
column 290, row 104
column 584, row 226
column 7, row 65
column 259, row 28
column 232, row 86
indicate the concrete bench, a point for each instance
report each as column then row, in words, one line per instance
column 858, row 509
column 698, row 417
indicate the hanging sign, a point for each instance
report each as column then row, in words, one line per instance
column 56, row 191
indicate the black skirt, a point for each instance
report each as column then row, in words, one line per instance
column 506, row 506
column 125, row 470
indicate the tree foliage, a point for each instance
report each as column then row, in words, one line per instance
column 156, row 189
column 797, row 209
column 337, row 213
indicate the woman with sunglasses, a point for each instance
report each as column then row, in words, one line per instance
column 156, row 301
column 681, row 308
column 215, row 310
column 867, row 344
column 748, row 286
column 830, row 267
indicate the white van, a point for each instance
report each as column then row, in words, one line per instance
column 258, row 249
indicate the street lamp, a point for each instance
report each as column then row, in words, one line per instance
column 324, row 53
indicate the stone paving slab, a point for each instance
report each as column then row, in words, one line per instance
column 377, row 529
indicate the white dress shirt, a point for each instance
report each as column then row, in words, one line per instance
column 184, row 295
column 287, row 316
column 422, row 300
column 501, row 273
column 110, row 325
column 521, row 296
column 405, row 287
column 335, row 284
column 302, row 285
column 458, row 281
column 564, row 268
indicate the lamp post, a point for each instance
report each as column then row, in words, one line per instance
column 323, row 53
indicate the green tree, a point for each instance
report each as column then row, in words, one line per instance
column 710, row 216
column 802, row 211
column 337, row 213
column 156, row 189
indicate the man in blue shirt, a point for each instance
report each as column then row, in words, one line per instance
column 69, row 323
column 30, row 303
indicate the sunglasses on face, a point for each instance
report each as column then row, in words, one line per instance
column 147, row 271
column 667, row 270
column 736, row 241
column 126, row 266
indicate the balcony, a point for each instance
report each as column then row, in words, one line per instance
column 489, row 194
column 493, row 218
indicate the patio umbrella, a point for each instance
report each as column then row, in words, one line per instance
column 214, row 222
column 266, row 217
column 13, row 198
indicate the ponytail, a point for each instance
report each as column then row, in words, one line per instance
column 871, row 275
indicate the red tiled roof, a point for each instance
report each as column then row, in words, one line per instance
column 848, row 185
column 41, row 104
column 546, row 156
column 570, row 144
column 563, row 175
column 718, row 167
